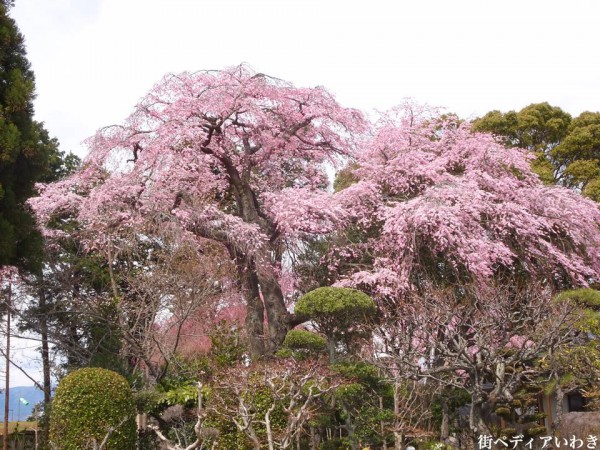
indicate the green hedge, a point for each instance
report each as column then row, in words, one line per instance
column 87, row 403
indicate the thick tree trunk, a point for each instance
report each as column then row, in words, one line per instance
column 255, row 311
column 255, row 326
column 398, row 441
column 314, row 439
column 257, row 271
column 278, row 317
column 260, row 276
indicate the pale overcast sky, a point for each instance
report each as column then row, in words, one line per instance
column 94, row 59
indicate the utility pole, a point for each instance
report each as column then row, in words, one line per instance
column 6, row 393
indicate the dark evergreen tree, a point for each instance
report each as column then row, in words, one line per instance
column 27, row 153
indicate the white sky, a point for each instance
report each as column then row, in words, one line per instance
column 24, row 353
column 94, row 59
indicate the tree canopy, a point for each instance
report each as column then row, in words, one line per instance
column 567, row 149
column 455, row 206
column 229, row 156
column 213, row 199
column 27, row 153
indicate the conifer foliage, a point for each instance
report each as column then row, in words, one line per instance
column 25, row 149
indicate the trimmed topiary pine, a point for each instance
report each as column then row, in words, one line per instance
column 90, row 404
column 304, row 340
column 302, row 344
column 588, row 300
column 341, row 314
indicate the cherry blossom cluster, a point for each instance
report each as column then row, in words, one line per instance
column 459, row 204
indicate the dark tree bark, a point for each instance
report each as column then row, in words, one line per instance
column 278, row 318
column 264, row 297
column 255, row 311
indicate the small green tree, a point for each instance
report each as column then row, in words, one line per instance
column 302, row 344
column 339, row 313
column 92, row 406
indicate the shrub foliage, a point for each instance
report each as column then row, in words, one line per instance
column 88, row 404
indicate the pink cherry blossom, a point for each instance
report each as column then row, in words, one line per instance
column 231, row 156
column 458, row 204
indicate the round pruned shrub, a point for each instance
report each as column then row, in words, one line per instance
column 341, row 314
column 88, row 404
column 304, row 340
column 335, row 309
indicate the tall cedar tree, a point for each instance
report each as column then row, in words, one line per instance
column 27, row 153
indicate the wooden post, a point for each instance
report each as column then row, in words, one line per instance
column 6, row 393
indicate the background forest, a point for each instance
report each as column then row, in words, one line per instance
column 242, row 263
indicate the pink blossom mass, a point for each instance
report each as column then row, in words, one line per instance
column 241, row 158
column 455, row 202
column 232, row 156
